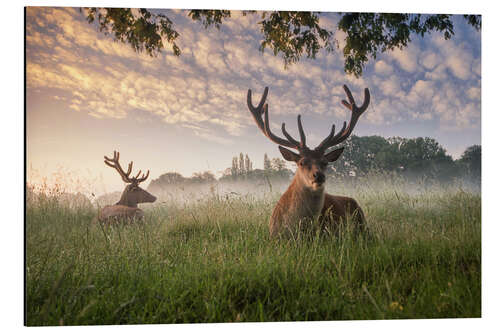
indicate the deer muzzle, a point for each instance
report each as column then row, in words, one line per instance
column 319, row 177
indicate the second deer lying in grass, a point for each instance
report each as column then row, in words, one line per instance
column 126, row 209
column 305, row 198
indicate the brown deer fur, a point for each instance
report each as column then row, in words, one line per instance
column 126, row 208
column 119, row 212
column 338, row 208
column 305, row 199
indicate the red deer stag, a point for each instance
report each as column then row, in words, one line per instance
column 305, row 198
column 126, row 208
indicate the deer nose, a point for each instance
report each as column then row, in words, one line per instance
column 319, row 177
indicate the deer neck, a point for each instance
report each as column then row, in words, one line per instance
column 311, row 200
column 125, row 200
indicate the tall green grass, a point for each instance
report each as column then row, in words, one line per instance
column 212, row 260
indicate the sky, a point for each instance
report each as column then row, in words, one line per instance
column 87, row 95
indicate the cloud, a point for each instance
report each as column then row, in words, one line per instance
column 457, row 56
column 474, row 93
column 391, row 86
column 476, row 67
column 204, row 90
column 422, row 90
column 455, row 110
column 429, row 59
column 406, row 58
column 381, row 67
column 460, row 64
column 438, row 74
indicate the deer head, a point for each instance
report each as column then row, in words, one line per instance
column 133, row 194
column 311, row 163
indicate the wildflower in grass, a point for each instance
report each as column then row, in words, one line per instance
column 396, row 306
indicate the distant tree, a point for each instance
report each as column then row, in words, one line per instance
column 248, row 164
column 169, row 178
column 166, row 180
column 242, row 165
column 203, row 177
column 279, row 169
column 234, row 167
column 424, row 157
column 267, row 163
column 276, row 170
column 290, row 34
column 419, row 157
column 471, row 161
column 360, row 155
column 278, row 164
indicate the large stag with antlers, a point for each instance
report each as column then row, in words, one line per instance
column 305, row 198
column 126, row 208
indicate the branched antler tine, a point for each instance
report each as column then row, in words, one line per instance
column 138, row 174
column 143, row 178
column 115, row 164
column 263, row 98
column 263, row 124
column 301, row 132
column 288, row 136
column 339, row 135
column 366, row 102
column 275, row 138
column 111, row 159
column 346, row 104
column 261, row 103
column 349, row 95
column 328, row 138
column 356, row 112
column 256, row 112
column 249, row 100
column 332, row 139
column 129, row 170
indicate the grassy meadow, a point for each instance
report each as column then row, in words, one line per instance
column 211, row 260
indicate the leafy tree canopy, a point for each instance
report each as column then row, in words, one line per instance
column 471, row 161
column 415, row 157
column 289, row 34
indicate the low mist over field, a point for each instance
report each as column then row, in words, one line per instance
column 189, row 193
column 412, row 165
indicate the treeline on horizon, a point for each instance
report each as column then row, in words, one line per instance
column 414, row 158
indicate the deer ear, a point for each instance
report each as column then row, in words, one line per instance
column 289, row 155
column 334, row 155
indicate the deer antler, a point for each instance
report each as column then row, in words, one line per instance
column 264, row 124
column 332, row 139
column 115, row 164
